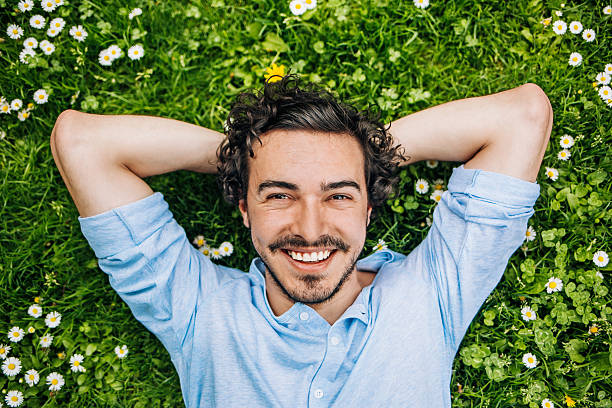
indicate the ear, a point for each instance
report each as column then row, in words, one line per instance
column 369, row 214
column 243, row 210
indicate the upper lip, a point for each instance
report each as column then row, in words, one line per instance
column 309, row 250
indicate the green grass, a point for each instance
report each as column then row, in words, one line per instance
column 198, row 57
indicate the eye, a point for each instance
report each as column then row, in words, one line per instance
column 341, row 197
column 278, row 196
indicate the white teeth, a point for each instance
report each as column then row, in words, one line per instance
column 309, row 256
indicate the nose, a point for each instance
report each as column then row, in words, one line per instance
column 309, row 222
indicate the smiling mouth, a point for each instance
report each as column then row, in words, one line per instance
column 309, row 257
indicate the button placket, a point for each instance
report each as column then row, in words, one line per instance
column 319, row 393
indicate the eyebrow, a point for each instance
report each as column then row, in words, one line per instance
column 290, row 186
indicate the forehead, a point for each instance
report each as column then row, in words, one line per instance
column 298, row 155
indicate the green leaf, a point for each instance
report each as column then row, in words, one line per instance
column 90, row 349
column 273, row 42
column 597, row 177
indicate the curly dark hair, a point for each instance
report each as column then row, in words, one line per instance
column 283, row 105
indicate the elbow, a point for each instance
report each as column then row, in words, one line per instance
column 536, row 113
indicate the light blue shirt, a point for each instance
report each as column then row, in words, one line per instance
column 393, row 347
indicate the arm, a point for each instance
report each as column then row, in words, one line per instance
column 103, row 158
column 506, row 132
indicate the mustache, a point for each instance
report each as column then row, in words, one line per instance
column 298, row 242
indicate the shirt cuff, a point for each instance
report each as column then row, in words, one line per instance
column 496, row 187
column 112, row 231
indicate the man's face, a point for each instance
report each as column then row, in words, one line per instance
column 307, row 194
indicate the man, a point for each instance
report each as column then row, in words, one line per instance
column 309, row 325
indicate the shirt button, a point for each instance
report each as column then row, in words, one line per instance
column 319, row 393
column 335, row 341
column 304, row 315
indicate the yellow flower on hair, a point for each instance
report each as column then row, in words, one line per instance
column 275, row 70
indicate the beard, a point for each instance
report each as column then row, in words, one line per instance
column 312, row 288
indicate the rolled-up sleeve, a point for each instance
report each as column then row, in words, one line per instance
column 477, row 225
column 151, row 265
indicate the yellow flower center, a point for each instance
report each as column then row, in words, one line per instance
column 15, row 31
column 78, row 33
column 26, row 5
column 550, row 174
column 530, row 359
column 528, row 314
column 562, row 154
column 11, row 366
column 14, row 398
column 298, row 6
column 76, row 363
column 2, row 351
column 438, row 187
column 26, row 114
column 53, row 319
column 437, row 198
column 36, row 299
column 5, row 108
column 121, row 351
column 41, row 96
column 226, row 249
column 206, row 252
column 559, row 27
column 32, row 377
column 37, row 21
column 49, row 4
column 31, row 330
column 58, row 25
column 106, row 57
column 600, row 258
column 421, row 186
column 575, row 59
column 15, row 334
column 54, row 381
column 553, row 284
column 135, row 52
column 594, row 329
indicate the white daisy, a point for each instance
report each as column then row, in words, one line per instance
column 25, row 5
column 310, row 4
column 48, row 5
column 11, row 366
column 588, row 35
column 528, row 313
column 37, row 21
column 600, row 258
column 564, row 155
column 559, row 27
column 14, row 398
column 199, row 241
column 35, row 310
column 48, row 48
column 55, row 381
column 122, row 351
column 114, row 51
column 46, row 340
column 26, row 54
column 41, row 96
column 135, row 52
column 575, row 27
column 30, row 43
column 23, row 115
column 16, row 104
column 566, row 141
column 4, row 350
column 205, row 249
column 379, row 246
column 575, row 59
column 605, row 92
column 32, row 377
column 14, row 31
column 436, row 195
column 215, row 253
column 530, row 234
column 607, row 10
column 136, row 12
column 432, row 164
column 297, row 7
column 552, row 173
column 421, row 186
column 59, row 3
column 603, row 78
column 5, row 107
column 53, row 319
column 76, row 362
column 530, row 360
column 31, row 329
column 438, row 184
column 104, row 58
column 546, row 403
column 226, row 248
column 421, row 3
column 15, row 334
column 559, row 13
column 554, row 285
column 78, row 33
column 52, row 32
column 57, row 23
